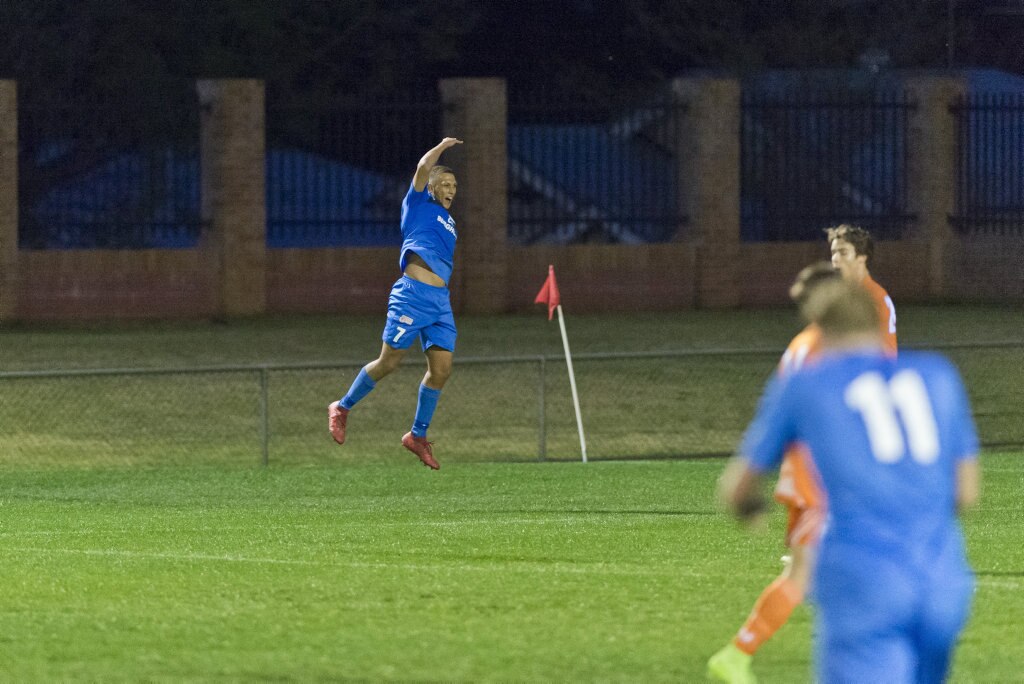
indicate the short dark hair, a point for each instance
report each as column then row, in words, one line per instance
column 863, row 243
column 809, row 278
column 437, row 171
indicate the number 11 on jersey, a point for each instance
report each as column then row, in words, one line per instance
column 891, row 408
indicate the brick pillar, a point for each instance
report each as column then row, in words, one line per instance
column 476, row 113
column 709, row 176
column 931, row 182
column 8, row 199
column 233, row 193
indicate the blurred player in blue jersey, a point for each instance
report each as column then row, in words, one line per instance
column 895, row 447
column 419, row 307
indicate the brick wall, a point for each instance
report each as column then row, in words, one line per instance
column 8, row 199
column 987, row 269
column 475, row 112
column 233, row 165
column 709, row 154
column 606, row 277
column 768, row 269
column 176, row 283
column 330, row 280
column 90, row 284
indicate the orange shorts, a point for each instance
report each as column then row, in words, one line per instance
column 799, row 491
column 805, row 526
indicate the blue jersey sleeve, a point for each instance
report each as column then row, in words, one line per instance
column 765, row 441
column 961, row 433
column 412, row 199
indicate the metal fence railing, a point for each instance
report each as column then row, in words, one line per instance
column 336, row 175
column 593, row 172
column 634, row 405
column 811, row 159
column 990, row 164
column 118, row 174
column 127, row 175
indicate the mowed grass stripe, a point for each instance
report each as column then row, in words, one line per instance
column 541, row 572
column 496, row 565
column 632, row 408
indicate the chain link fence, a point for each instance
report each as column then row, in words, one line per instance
column 637, row 405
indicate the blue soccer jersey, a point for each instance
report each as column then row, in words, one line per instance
column 892, row 580
column 886, row 436
column 429, row 231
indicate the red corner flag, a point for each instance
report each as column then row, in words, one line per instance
column 549, row 293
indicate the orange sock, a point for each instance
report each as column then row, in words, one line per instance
column 771, row 610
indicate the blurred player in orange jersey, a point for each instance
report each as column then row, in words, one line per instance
column 852, row 249
column 797, row 489
column 798, row 486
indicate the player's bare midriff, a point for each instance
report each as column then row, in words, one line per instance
column 417, row 269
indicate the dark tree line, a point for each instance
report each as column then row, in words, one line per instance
column 313, row 50
column 96, row 77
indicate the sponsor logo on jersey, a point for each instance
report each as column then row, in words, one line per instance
column 405, row 319
column 449, row 225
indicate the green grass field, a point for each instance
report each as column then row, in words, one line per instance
column 330, row 566
column 356, row 338
column 632, row 408
column 621, row 571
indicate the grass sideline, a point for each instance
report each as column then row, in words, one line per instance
column 632, row 408
column 302, row 339
column 618, row 571
column 318, row 568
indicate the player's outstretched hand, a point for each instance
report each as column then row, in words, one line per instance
column 450, row 142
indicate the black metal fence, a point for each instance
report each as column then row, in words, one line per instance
column 811, row 159
column 118, row 174
column 274, row 413
column 593, row 173
column 126, row 174
column 336, row 175
column 990, row 164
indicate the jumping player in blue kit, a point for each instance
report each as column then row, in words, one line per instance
column 419, row 307
column 895, row 446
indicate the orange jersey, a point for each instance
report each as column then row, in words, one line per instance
column 798, row 486
column 886, row 312
column 806, row 345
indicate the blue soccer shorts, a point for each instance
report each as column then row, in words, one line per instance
column 884, row 621
column 417, row 310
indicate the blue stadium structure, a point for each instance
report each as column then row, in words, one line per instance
column 817, row 147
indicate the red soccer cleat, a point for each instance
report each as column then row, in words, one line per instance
column 422, row 448
column 337, row 417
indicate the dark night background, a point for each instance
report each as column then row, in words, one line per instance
column 587, row 49
column 106, row 88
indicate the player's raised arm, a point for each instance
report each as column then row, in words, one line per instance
column 429, row 160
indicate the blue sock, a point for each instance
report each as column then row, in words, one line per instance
column 425, row 410
column 361, row 386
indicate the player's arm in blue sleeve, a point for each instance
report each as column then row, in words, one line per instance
column 964, row 443
column 761, row 450
column 429, row 161
column 767, row 436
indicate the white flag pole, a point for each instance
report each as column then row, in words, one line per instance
column 572, row 383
